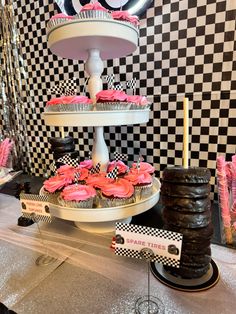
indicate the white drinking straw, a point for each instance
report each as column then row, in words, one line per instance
column 186, row 133
column 62, row 131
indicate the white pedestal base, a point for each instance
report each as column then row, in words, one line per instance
column 100, row 227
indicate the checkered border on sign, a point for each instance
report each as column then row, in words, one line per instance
column 37, row 218
column 135, row 254
column 186, row 48
column 149, row 231
column 35, row 197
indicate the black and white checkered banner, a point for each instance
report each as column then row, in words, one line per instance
column 95, row 169
column 165, row 245
column 69, row 161
column 113, row 173
column 35, row 207
column 67, row 88
column 119, row 156
column 110, row 79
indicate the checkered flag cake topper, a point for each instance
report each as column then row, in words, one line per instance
column 132, row 84
column 67, row 88
column 110, row 79
column 67, row 160
column 118, row 86
column 140, row 159
column 76, row 177
column 119, row 156
column 113, row 173
column 95, row 169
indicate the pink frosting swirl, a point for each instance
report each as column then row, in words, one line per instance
column 66, row 170
column 83, row 172
column 54, row 101
column 75, row 100
column 93, row 6
column 120, row 188
column 138, row 178
column 87, row 163
column 125, row 16
column 56, row 183
column 111, row 95
column 144, row 167
column 139, row 100
column 122, row 168
column 78, row 192
column 98, row 180
column 61, row 16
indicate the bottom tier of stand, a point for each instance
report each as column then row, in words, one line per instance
column 102, row 220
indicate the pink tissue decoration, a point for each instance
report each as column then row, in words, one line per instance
column 5, row 150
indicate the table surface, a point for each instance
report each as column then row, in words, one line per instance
column 88, row 277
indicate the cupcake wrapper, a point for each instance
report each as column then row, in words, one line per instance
column 55, row 22
column 70, row 107
column 128, row 23
column 142, row 192
column 139, row 107
column 107, row 106
column 113, row 202
column 76, row 204
column 52, row 196
column 94, row 14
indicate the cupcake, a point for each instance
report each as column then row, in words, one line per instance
column 125, row 16
column 70, row 103
column 94, row 11
column 138, row 102
column 58, row 19
column 122, row 167
column 77, row 196
column 56, row 183
column 112, row 100
column 118, row 193
column 98, row 180
column 87, row 163
column 143, row 167
column 142, row 182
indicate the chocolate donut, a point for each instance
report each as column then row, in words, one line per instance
column 59, row 141
column 196, row 246
column 195, row 260
column 187, row 271
column 186, row 220
column 63, row 149
column 185, row 190
column 186, row 204
column 193, row 235
column 191, row 175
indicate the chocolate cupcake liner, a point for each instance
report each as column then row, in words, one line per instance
column 93, row 14
column 109, row 106
column 113, row 202
column 142, row 192
column 70, row 107
column 76, row 204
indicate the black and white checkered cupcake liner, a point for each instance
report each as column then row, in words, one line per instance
column 93, row 14
column 76, row 204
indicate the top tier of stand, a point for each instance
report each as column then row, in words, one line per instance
column 74, row 39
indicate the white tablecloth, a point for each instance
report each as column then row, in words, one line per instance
column 88, row 277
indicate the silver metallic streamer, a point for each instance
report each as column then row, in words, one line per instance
column 14, row 93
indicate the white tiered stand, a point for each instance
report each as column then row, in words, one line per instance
column 94, row 40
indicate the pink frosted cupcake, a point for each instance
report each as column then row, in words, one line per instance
column 87, row 163
column 112, row 100
column 138, row 102
column 70, row 103
column 142, row 182
column 143, row 167
column 94, row 11
column 125, row 16
column 55, row 184
column 58, row 19
column 77, row 196
column 122, row 167
column 117, row 193
column 77, row 175
column 98, row 180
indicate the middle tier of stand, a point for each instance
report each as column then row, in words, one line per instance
column 96, row 118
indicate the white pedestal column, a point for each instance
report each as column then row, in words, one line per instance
column 94, row 68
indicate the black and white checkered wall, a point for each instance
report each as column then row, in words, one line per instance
column 186, row 48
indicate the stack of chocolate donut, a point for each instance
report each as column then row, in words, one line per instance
column 63, row 146
column 187, row 209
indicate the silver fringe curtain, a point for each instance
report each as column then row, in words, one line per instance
column 14, row 94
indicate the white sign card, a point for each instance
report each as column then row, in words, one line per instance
column 35, row 207
column 166, row 245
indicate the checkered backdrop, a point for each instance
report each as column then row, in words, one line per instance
column 185, row 48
